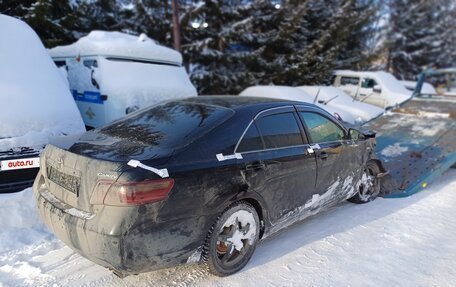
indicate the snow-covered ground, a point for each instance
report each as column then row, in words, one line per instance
column 389, row 242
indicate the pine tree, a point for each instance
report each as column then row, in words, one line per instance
column 299, row 43
column 98, row 15
column 52, row 20
column 358, row 34
column 151, row 17
column 16, row 8
column 422, row 34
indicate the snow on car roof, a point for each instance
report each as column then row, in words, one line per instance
column 278, row 92
column 36, row 101
column 117, row 44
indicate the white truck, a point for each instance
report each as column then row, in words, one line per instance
column 377, row 88
column 112, row 74
column 36, row 104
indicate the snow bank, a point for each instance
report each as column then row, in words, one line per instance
column 117, row 44
column 19, row 224
column 335, row 97
column 36, row 102
column 294, row 94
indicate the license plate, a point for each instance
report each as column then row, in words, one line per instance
column 69, row 182
column 22, row 163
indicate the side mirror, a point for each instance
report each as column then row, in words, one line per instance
column 355, row 135
column 377, row 89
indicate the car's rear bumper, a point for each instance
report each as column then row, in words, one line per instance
column 129, row 250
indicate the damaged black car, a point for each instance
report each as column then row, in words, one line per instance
column 201, row 179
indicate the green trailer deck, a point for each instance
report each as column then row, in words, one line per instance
column 416, row 142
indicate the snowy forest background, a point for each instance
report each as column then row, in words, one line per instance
column 231, row 44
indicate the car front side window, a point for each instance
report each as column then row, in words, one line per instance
column 321, row 129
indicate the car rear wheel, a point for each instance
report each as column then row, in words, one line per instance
column 232, row 239
column 369, row 188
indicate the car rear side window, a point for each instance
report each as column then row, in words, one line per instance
column 321, row 129
column 280, row 130
column 251, row 140
column 169, row 125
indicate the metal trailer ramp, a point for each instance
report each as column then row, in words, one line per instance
column 416, row 142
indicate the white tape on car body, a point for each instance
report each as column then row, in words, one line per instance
column 222, row 157
column 161, row 172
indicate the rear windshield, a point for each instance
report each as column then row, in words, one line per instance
column 169, row 125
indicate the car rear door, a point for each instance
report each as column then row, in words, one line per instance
column 277, row 161
column 338, row 162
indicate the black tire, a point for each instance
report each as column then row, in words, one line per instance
column 221, row 252
column 369, row 188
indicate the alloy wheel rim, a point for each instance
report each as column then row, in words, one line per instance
column 369, row 185
column 235, row 238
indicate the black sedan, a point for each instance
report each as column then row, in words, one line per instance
column 200, row 180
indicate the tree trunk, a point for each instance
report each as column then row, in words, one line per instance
column 176, row 26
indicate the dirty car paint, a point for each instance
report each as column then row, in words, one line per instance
column 140, row 238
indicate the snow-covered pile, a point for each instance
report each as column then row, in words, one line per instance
column 117, row 44
column 138, row 84
column 19, row 224
column 35, row 100
column 294, row 94
column 335, row 97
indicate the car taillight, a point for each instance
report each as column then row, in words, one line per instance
column 132, row 193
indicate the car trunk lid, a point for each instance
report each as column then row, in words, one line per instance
column 72, row 178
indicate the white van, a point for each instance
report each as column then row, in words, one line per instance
column 112, row 74
column 377, row 88
column 35, row 104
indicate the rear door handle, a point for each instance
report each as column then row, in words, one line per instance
column 323, row 155
column 258, row 165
